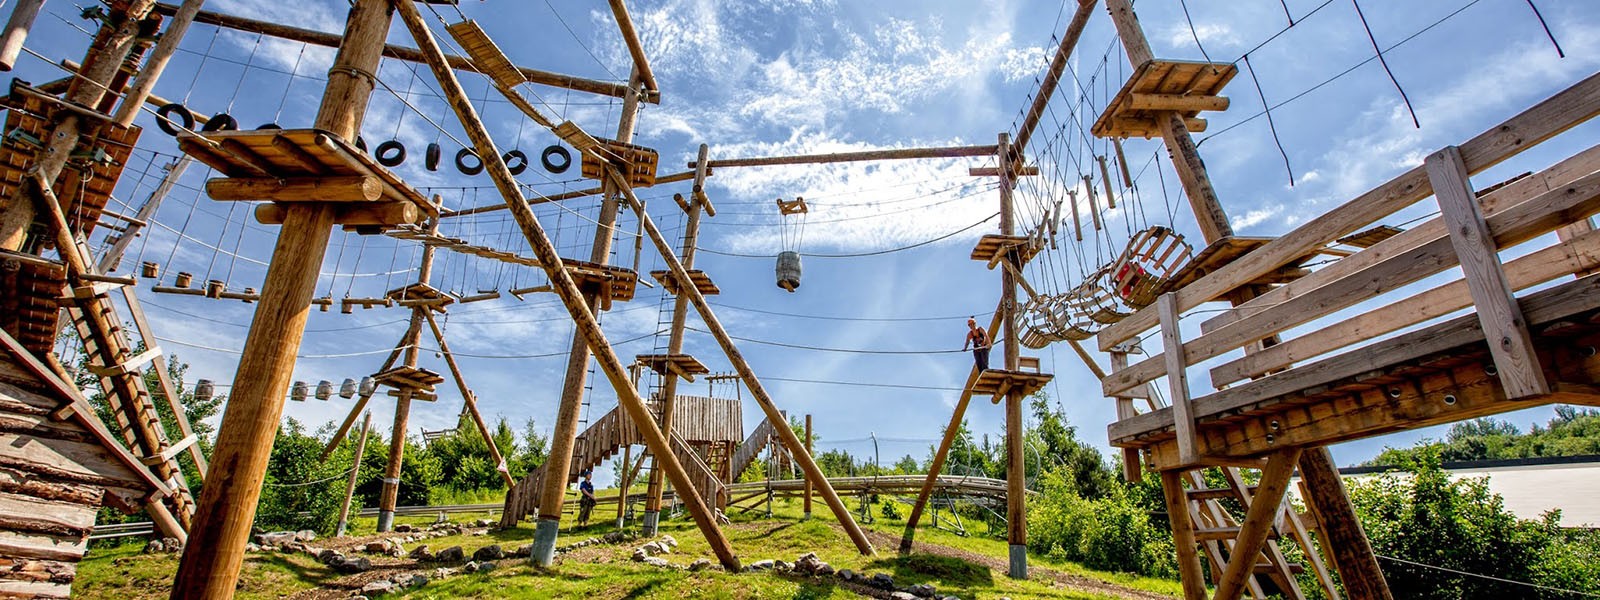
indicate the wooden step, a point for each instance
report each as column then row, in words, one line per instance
column 1214, row 493
column 131, row 365
column 486, row 56
column 1268, row 569
column 1209, row 534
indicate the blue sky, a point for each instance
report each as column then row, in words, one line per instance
column 805, row 76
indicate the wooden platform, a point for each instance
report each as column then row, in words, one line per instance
column 409, row 378
column 702, row 282
column 420, row 293
column 1160, row 86
column 1227, row 250
column 999, row 382
column 683, row 365
column 1439, row 374
column 991, row 247
column 101, row 158
column 638, row 162
column 609, row 282
column 1370, row 237
column 287, row 165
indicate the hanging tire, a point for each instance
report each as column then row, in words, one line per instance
column 551, row 166
column 220, row 122
column 522, row 161
column 361, row 143
column 269, row 126
column 164, row 118
column 461, row 162
column 390, row 153
column 430, row 158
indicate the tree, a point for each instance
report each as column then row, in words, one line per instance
column 300, row 491
column 1081, row 463
column 907, row 465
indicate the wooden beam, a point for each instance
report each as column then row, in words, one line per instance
column 888, row 154
column 156, row 63
column 350, row 214
column 331, row 40
column 1340, row 531
column 1176, row 102
column 23, row 12
column 296, row 189
column 1503, row 325
column 355, row 474
column 1556, row 114
column 641, row 62
column 1177, row 381
column 1028, row 171
column 1193, row 579
column 1052, row 77
column 470, row 400
column 588, row 327
column 1258, row 522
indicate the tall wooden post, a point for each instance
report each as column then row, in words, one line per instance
column 807, row 487
column 100, row 67
column 1016, row 474
column 562, row 283
column 559, row 464
column 1336, row 513
column 355, row 475
column 211, row 561
column 680, row 313
column 389, row 494
column 156, row 64
column 23, row 12
column 623, row 485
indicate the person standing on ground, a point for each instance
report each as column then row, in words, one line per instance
column 586, row 502
column 978, row 339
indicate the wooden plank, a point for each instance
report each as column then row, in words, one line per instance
column 1177, row 102
column 1258, row 522
column 1339, row 529
column 1194, row 585
column 356, row 188
column 1514, row 225
column 1503, row 325
column 1560, row 112
column 1178, row 379
column 27, row 514
column 1578, row 255
column 132, row 365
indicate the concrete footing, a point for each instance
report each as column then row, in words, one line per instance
column 385, row 521
column 647, row 527
column 544, row 541
column 1019, row 561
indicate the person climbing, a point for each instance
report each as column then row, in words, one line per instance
column 978, row 339
column 586, row 502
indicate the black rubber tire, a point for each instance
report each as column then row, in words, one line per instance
column 430, row 159
column 461, row 162
column 164, row 118
column 220, row 122
column 361, row 143
column 269, row 126
column 395, row 151
column 520, row 157
column 566, row 159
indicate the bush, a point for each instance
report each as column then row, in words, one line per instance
column 1110, row 533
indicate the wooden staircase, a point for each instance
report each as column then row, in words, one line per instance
column 758, row 440
column 1215, row 529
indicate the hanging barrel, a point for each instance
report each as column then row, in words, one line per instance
column 368, row 386
column 347, row 389
column 324, row 389
column 299, row 391
column 789, row 270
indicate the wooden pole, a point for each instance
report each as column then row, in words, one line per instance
column 1016, row 474
column 558, row 464
column 790, row 441
column 561, row 280
column 624, row 484
column 1342, row 536
column 16, row 32
column 939, row 456
column 111, row 47
column 1257, row 524
column 641, row 63
column 807, row 488
column 211, row 561
column 1194, row 585
column 1058, row 65
column 156, row 63
column 389, row 494
column 355, row 474
column 669, row 386
column 1185, row 156
column 470, row 401
column 319, row 38
column 892, row 154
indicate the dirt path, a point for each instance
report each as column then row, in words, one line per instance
column 1075, row 582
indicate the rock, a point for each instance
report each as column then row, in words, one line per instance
column 846, row 575
column 670, row 541
column 172, row 544
column 825, row 569
column 902, row 596
column 403, row 528
column 352, row 564
column 639, row 555
column 416, row 580
column 782, row 567
column 490, row 552
column 722, row 519
column 523, row 551
column 275, row 538
column 762, row 565
column 485, row 567
column 329, row 556
column 699, row 565
column 422, row 554
column 252, row 547
column 305, row 535
column 155, row 547
column 382, row 586
column 379, row 547
column 651, row 549
column 656, row 561
column 921, row 590
column 881, row 581
column 453, row 554
column 614, row 537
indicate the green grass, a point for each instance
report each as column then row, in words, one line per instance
column 605, row 571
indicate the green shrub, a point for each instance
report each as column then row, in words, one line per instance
column 1110, row 533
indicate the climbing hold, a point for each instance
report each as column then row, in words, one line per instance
column 789, row 270
column 324, row 389
column 299, row 391
column 348, row 388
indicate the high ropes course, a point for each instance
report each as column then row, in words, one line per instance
column 1107, row 233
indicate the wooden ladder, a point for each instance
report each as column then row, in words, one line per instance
column 1215, row 528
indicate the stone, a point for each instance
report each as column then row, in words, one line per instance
column 824, row 569
column 902, row 596
column 453, row 554
column 656, row 561
column 490, row 552
column 416, row 580
column 155, row 547
column 921, row 590
column 305, row 535
column 651, row 549
column 382, row 586
column 422, row 553
column 881, row 581
column 763, row 565
column 523, row 551
column 670, row 541
column 847, row 575
column 329, row 556
column 276, row 538
column 639, row 555
column 781, row 567
column 252, row 547
column 699, row 565
column 352, row 564
column 404, row 528
column 442, row 573
column 379, row 547
column 172, row 544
